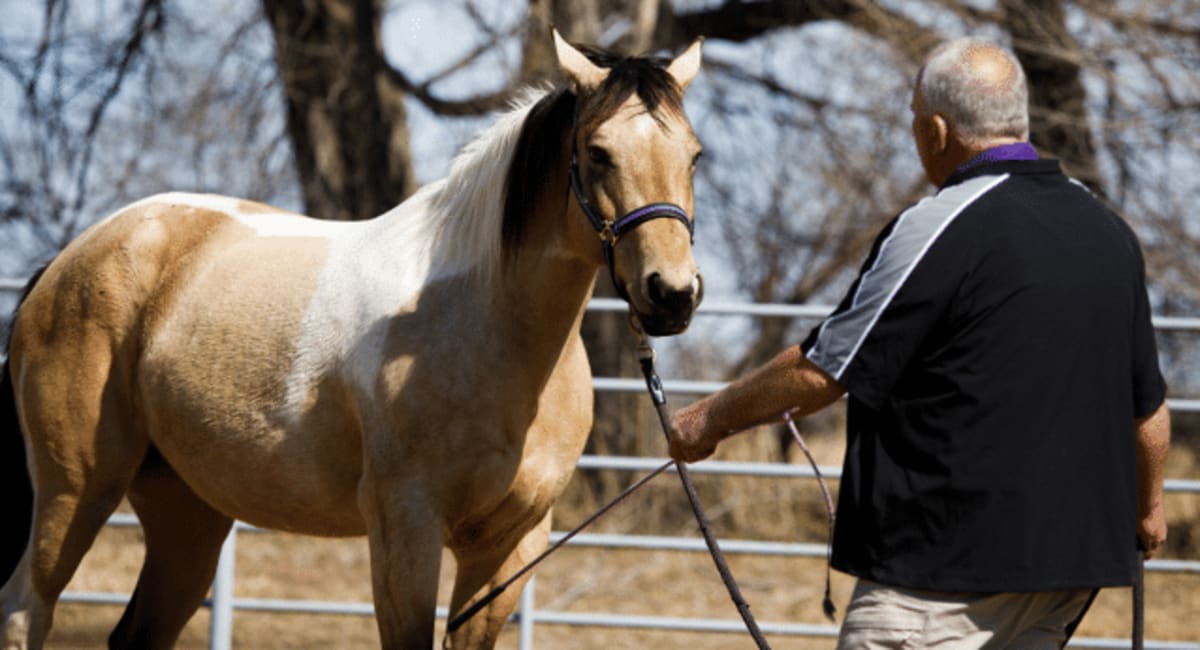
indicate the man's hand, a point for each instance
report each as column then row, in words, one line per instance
column 1152, row 531
column 1153, row 441
column 690, row 440
column 788, row 382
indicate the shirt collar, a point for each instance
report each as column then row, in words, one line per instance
column 1014, row 151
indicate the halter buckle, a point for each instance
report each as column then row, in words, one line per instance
column 606, row 233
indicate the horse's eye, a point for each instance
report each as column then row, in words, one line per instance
column 599, row 157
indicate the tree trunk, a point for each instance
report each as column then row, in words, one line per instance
column 1059, row 124
column 346, row 122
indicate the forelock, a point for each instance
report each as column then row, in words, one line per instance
column 645, row 77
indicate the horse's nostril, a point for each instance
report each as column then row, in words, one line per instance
column 670, row 298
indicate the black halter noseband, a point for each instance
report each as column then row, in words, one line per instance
column 610, row 232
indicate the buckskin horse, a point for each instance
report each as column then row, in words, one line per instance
column 418, row 378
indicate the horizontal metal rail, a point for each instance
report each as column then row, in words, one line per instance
column 787, row 310
column 697, row 387
column 787, row 470
column 732, row 546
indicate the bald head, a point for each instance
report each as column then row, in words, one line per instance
column 979, row 88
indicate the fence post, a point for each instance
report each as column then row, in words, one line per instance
column 526, row 619
column 220, row 629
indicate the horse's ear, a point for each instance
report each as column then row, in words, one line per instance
column 584, row 74
column 686, row 65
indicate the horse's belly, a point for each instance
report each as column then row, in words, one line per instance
column 280, row 480
column 229, row 434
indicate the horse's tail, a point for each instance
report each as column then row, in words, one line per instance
column 16, row 488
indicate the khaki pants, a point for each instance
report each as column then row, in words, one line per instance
column 880, row 617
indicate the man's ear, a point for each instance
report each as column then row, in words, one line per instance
column 584, row 74
column 686, row 65
column 942, row 130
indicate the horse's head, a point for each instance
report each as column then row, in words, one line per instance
column 633, row 157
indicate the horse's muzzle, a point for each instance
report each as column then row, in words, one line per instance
column 670, row 308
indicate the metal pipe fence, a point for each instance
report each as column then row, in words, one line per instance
column 224, row 602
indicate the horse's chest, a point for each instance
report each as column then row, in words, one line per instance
column 514, row 487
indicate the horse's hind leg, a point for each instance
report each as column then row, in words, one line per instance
column 183, row 542
column 82, row 460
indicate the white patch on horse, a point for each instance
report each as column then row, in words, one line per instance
column 448, row 228
column 278, row 223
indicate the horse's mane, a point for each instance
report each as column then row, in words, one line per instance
column 478, row 213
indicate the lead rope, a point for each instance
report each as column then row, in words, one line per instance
column 827, row 604
column 467, row 613
column 659, row 397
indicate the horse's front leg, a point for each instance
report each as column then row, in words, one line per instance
column 406, row 551
column 481, row 569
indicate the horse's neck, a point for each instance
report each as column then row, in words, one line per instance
column 546, row 284
column 530, row 304
column 545, row 296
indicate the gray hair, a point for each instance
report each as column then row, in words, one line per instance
column 981, row 106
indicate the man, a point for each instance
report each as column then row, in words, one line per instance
column 1006, row 426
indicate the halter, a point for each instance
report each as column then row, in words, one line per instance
column 610, row 232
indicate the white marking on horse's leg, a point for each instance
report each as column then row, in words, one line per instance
column 26, row 616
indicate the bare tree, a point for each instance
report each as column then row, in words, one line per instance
column 803, row 110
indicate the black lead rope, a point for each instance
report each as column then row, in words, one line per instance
column 659, row 397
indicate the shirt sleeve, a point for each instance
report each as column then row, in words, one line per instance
column 901, row 292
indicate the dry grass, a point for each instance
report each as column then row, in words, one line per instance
column 646, row 583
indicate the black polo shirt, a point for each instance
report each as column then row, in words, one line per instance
column 997, row 349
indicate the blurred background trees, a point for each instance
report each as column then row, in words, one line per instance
column 341, row 108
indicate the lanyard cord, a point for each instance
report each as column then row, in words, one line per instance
column 827, row 603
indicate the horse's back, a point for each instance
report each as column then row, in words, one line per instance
column 121, row 278
column 97, row 298
column 189, row 308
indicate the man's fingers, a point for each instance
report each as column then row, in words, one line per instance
column 1152, row 539
column 690, row 453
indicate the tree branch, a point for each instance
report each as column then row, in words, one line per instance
column 477, row 105
column 743, row 21
column 148, row 21
column 1124, row 21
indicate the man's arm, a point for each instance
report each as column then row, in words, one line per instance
column 1153, row 440
column 789, row 382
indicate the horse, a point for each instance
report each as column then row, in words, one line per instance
column 417, row 378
